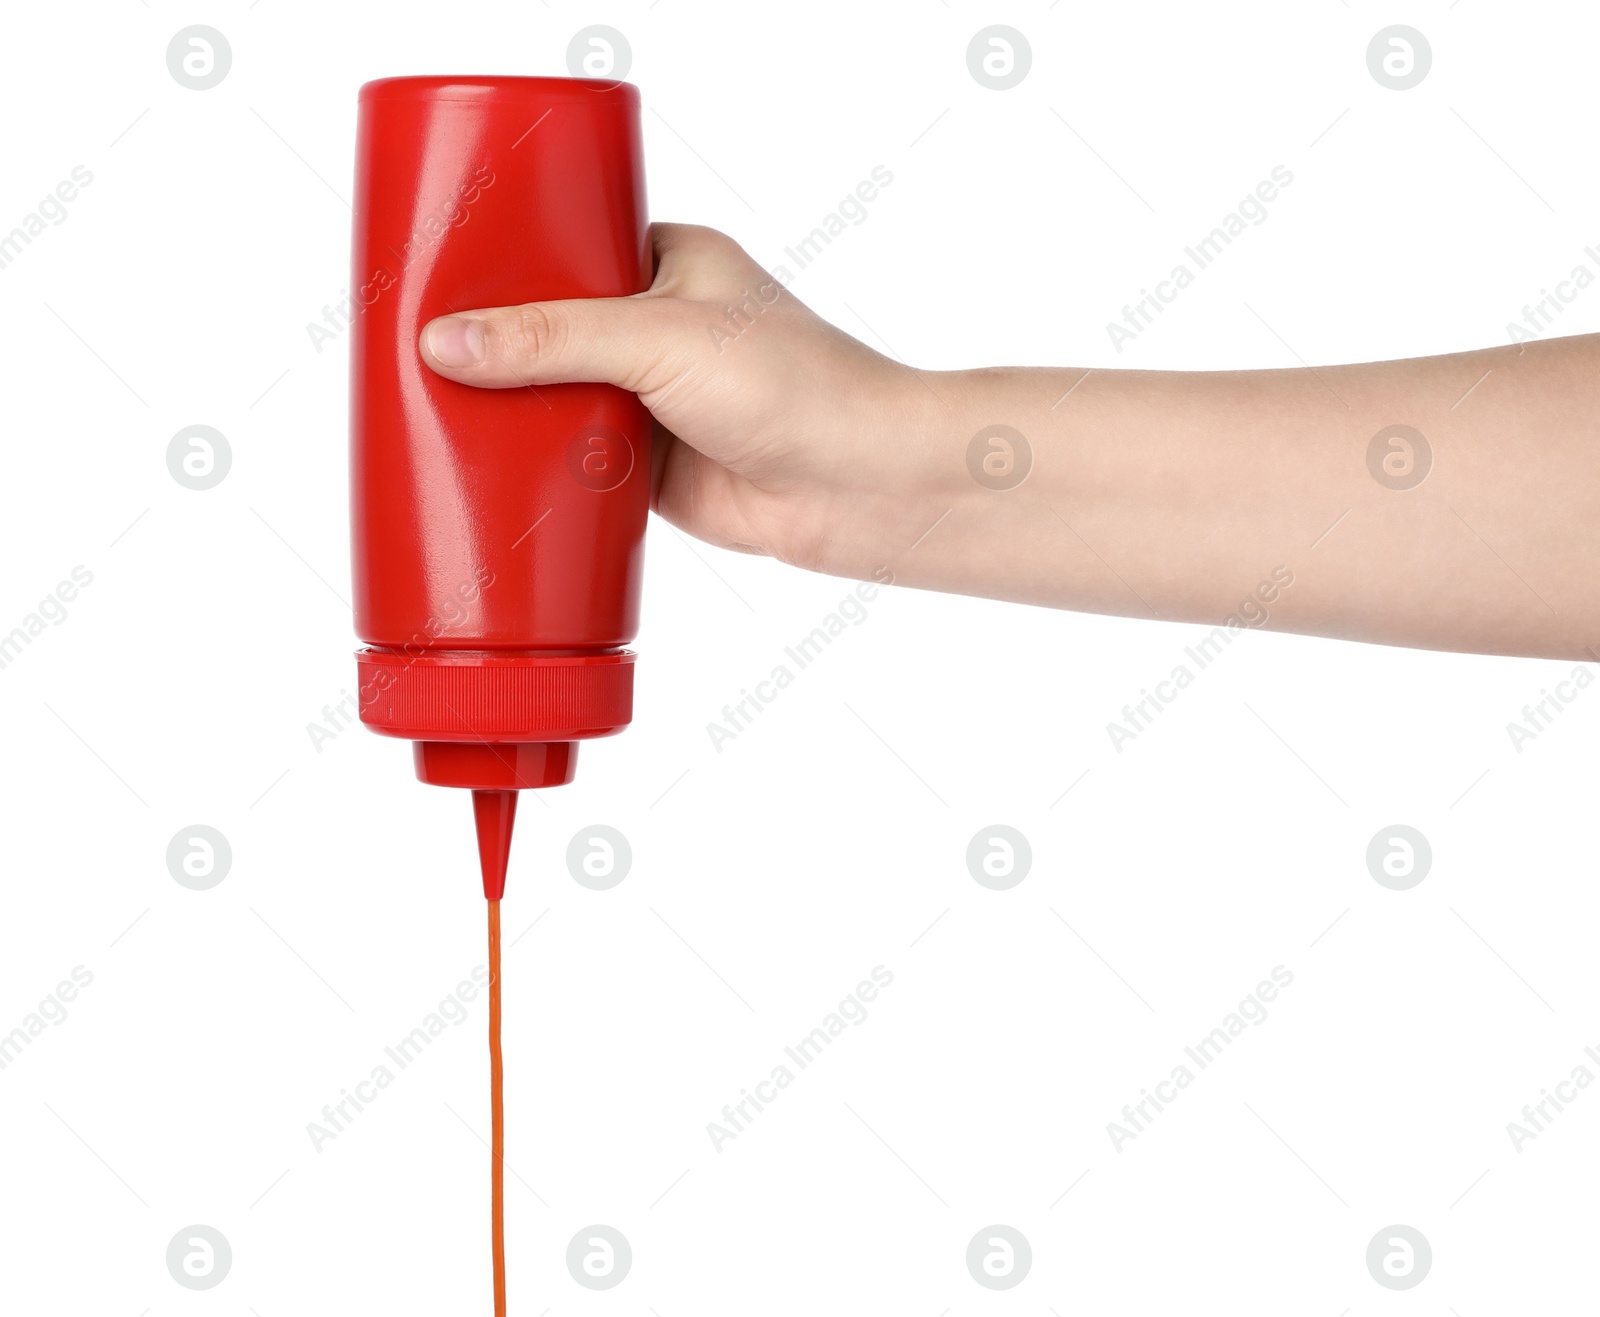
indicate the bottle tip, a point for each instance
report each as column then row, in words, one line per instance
column 495, row 813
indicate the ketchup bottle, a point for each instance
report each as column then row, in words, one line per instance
column 498, row 533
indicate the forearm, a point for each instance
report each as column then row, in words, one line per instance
column 1183, row 496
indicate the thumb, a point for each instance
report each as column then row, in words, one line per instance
column 631, row 342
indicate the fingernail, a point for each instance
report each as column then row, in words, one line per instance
column 456, row 341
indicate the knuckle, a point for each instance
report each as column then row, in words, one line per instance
column 701, row 260
column 533, row 333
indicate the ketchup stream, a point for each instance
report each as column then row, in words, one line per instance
column 497, row 1118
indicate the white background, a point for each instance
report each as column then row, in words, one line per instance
column 831, row 836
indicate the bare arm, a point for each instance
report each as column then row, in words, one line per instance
column 1445, row 502
column 1475, row 527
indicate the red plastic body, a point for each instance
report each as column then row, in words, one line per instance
column 498, row 533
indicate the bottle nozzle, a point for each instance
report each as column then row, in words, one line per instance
column 495, row 813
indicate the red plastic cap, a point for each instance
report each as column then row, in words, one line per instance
column 479, row 695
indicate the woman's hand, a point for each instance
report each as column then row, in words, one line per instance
column 776, row 433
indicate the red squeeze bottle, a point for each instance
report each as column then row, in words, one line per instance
column 498, row 533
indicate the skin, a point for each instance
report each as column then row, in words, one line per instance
column 1173, row 495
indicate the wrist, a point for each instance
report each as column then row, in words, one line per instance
column 903, row 480
column 985, row 476
column 947, row 480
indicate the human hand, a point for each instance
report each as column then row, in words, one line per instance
column 776, row 432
